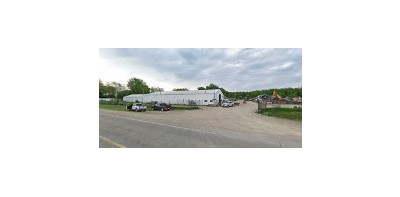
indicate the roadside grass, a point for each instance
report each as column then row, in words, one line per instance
column 288, row 113
column 184, row 107
column 112, row 107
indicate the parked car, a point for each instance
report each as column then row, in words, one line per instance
column 264, row 96
column 227, row 104
column 136, row 107
column 161, row 107
column 166, row 105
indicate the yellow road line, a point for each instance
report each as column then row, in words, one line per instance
column 112, row 142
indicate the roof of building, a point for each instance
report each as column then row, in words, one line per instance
column 189, row 92
column 181, row 92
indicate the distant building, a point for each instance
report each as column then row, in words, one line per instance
column 197, row 97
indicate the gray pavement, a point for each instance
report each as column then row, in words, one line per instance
column 177, row 129
column 136, row 134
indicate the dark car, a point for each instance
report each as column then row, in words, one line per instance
column 162, row 107
column 166, row 105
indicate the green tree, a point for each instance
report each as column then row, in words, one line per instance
column 138, row 86
column 123, row 93
column 201, row 88
column 116, row 87
column 212, row 87
column 283, row 92
column 156, row 89
column 101, row 89
column 226, row 93
column 109, row 92
column 106, row 91
column 180, row 89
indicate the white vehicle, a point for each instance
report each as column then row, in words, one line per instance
column 136, row 107
column 227, row 104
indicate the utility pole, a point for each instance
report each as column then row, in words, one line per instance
column 116, row 96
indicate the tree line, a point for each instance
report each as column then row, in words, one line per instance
column 118, row 91
column 138, row 86
column 283, row 92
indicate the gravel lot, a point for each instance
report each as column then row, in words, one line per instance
column 239, row 122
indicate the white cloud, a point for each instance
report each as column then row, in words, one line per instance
column 233, row 51
column 232, row 69
column 261, row 52
column 284, row 66
column 110, row 72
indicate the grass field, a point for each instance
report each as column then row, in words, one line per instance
column 112, row 107
column 288, row 113
column 183, row 107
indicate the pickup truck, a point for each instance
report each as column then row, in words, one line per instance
column 136, row 107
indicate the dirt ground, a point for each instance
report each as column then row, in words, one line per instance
column 239, row 120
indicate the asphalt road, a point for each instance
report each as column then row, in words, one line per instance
column 179, row 129
column 138, row 133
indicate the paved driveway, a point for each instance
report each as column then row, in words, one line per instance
column 209, row 127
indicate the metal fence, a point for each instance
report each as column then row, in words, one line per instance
column 264, row 104
column 109, row 101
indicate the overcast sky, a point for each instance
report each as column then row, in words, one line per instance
column 232, row 69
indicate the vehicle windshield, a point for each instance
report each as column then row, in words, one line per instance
column 139, row 104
